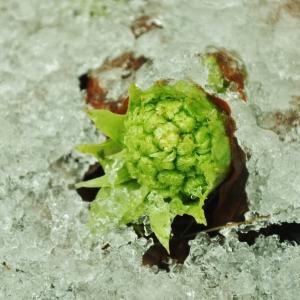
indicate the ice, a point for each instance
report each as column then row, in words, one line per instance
column 46, row 250
column 245, row 272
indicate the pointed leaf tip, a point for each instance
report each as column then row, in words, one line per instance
column 111, row 124
column 160, row 219
column 109, row 147
column 98, row 182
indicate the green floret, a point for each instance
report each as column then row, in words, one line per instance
column 166, row 136
column 176, row 119
column 184, row 122
column 186, row 145
column 172, row 144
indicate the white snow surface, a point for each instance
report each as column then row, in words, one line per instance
column 46, row 250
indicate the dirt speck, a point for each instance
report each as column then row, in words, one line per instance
column 144, row 24
column 282, row 122
column 291, row 7
column 96, row 89
column 126, row 61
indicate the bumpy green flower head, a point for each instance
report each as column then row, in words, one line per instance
column 163, row 157
column 175, row 141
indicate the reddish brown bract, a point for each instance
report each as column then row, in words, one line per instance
column 232, row 71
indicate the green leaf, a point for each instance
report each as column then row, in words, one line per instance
column 113, row 164
column 121, row 176
column 112, row 125
column 134, row 96
column 135, row 203
column 122, row 204
column 160, row 218
column 172, row 141
column 102, row 181
column 214, row 175
column 193, row 209
column 221, row 149
column 109, row 147
column 99, row 214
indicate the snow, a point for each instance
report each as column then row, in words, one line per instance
column 46, row 250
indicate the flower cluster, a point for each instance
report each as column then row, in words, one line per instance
column 162, row 158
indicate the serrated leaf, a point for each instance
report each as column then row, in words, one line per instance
column 98, row 182
column 193, row 209
column 134, row 96
column 160, row 218
column 121, row 176
column 109, row 147
column 111, row 124
column 119, row 205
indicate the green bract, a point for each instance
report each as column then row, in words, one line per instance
column 163, row 157
column 215, row 79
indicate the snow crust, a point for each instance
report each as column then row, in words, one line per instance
column 46, row 251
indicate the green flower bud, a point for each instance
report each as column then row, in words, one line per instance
column 194, row 185
column 175, row 128
column 164, row 160
column 146, row 166
column 215, row 78
column 147, row 145
column 170, row 178
column 168, row 109
column 185, row 163
column 172, row 142
column 151, row 121
column 186, row 145
column 184, row 122
column 166, row 136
